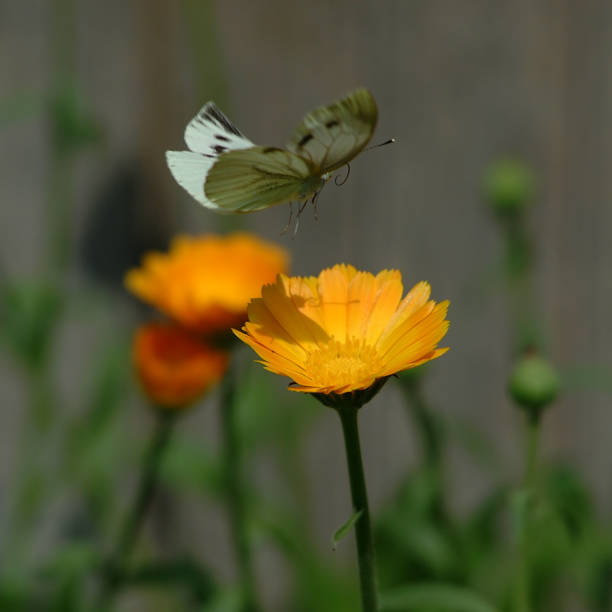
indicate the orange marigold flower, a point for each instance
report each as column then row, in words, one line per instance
column 206, row 283
column 174, row 367
column 344, row 331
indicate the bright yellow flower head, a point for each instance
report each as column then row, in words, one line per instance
column 206, row 283
column 345, row 330
column 174, row 367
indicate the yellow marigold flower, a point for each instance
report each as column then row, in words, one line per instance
column 206, row 283
column 344, row 331
column 174, row 367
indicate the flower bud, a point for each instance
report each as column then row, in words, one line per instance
column 509, row 185
column 534, row 384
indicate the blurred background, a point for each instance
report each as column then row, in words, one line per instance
column 92, row 96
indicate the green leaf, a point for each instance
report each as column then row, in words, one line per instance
column 344, row 529
column 434, row 597
column 30, row 312
column 73, row 125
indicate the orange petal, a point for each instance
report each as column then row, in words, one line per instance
column 389, row 291
column 419, row 340
column 361, row 296
column 333, row 289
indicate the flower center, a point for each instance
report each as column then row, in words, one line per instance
column 343, row 363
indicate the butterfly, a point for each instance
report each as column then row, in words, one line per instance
column 226, row 172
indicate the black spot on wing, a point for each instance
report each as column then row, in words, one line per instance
column 331, row 124
column 306, row 138
column 219, row 148
column 221, row 138
column 214, row 114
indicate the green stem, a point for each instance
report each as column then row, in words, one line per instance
column 235, row 492
column 430, row 435
column 33, row 481
column 61, row 166
column 519, row 264
column 523, row 583
column 363, row 529
column 533, row 445
column 142, row 501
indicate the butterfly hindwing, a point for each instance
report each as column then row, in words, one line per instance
column 251, row 179
column 332, row 135
column 190, row 170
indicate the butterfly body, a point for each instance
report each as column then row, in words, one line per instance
column 226, row 172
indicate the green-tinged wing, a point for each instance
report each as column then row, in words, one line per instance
column 247, row 180
column 330, row 136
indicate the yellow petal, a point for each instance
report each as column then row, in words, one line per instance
column 361, row 296
column 389, row 291
column 304, row 332
column 333, row 291
column 420, row 339
column 414, row 299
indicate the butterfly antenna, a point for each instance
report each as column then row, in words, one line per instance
column 348, row 171
column 382, row 144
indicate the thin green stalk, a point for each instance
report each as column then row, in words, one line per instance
column 430, row 435
column 363, row 528
column 533, row 445
column 531, row 453
column 32, row 479
column 61, row 165
column 236, row 504
column 140, row 505
column 519, row 264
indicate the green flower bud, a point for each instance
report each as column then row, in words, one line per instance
column 534, row 384
column 509, row 185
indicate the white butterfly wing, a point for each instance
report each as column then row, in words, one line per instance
column 332, row 135
column 190, row 170
column 209, row 134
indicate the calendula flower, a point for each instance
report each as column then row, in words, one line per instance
column 206, row 283
column 174, row 367
column 344, row 331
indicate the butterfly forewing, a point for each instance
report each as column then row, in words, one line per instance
column 251, row 179
column 210, row 132
column 330, row 136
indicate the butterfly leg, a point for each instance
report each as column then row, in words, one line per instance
column 286, row 228
column 297, row 224
column 302, row 207
column 297, row 217
column 315, row 205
